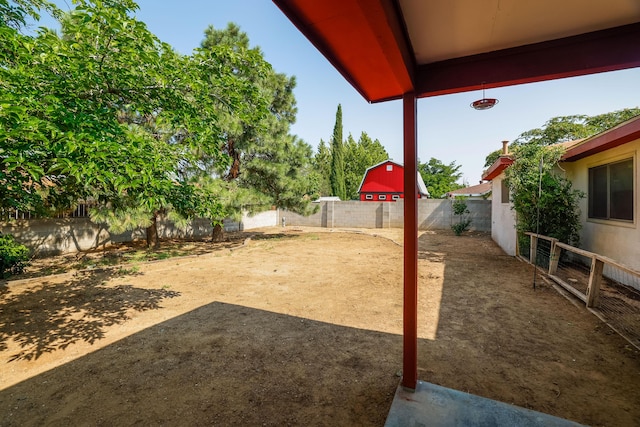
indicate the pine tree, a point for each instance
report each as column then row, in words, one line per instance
column 338, row 187
column 268, row 166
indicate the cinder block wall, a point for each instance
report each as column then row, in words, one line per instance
column 49, row 236
column 433, row 214
column 53, row 236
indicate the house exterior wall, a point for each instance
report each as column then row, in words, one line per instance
column 503, row 219
column 619, row 240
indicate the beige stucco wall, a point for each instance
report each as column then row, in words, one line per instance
column 619, row 240
column 503, row 219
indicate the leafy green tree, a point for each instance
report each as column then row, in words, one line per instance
column 106, row 111
column 568, row 128
column 268, row 166
column 336, row 176
column 358, row 156
column 439, row 177
column 536, row 186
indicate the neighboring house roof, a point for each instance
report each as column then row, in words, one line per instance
column 621, row 134
column 477, row 190
column 422, row 188
column 327, row 199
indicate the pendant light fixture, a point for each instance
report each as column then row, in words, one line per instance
column 484, row 103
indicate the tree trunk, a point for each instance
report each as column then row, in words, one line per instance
column 234, row 170
column 152, row 233
column 217, row 235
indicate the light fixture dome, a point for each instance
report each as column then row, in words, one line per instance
column 484, row 103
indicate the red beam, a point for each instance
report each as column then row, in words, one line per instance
column 364, row 40
column 595, row 52
column 410, row 310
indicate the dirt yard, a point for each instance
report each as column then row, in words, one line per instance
column 301, row 327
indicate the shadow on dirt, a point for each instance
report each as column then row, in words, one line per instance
column 220, row 364
column 55, row 315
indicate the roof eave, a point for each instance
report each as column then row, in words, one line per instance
column 614, row 137
column 497, row 168
column 381, row 39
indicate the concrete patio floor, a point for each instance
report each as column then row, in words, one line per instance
column 435, row 406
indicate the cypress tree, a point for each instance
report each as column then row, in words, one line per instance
column 338, row 187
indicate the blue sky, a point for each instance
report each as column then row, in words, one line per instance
column 448, row 129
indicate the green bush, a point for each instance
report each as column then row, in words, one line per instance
column 14, row 257
column 461, row 226
column 459, row 207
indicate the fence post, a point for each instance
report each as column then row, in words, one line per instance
column 595, row 278
column 554, row 258
column 533, row 248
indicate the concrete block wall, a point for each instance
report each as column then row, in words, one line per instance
column 262, row 219
column 433, row 214
column 54, row 236
column 47, row 236
column 480, row 215
column 355, row 214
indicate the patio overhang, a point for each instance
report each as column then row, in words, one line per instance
column 409, row 49
column 386, row 48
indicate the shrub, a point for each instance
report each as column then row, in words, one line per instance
column 459, row 207
column 14, row 256
column 460, row 227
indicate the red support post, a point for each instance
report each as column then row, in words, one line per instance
column 410, row 310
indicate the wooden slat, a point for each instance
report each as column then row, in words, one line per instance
column 569, row 288
column 540, row 236
column 595, row 279
column 617, row 265
column 576, row 250
column 554, row 259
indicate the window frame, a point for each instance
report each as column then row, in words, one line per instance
column 594, row 205
column 382, row 197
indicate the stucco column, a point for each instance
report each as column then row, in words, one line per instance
column 410, row 310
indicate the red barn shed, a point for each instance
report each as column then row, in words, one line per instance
column 385, row 181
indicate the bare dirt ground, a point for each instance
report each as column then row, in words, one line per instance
column 300, row 327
